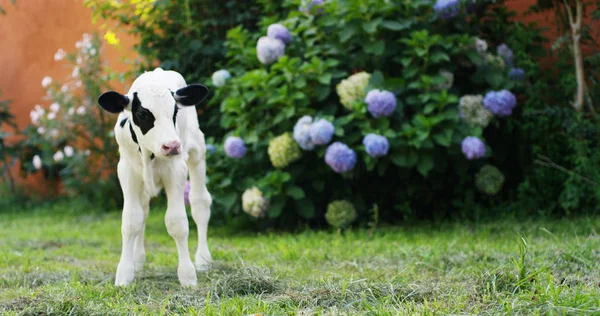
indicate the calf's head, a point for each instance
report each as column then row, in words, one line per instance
column 154, row 110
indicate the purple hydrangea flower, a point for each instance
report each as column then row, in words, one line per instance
column 505, row 52
column 268, row 50
column 321, row 132
column 340, row 157
column 210, row 148
column 279, row 32
column 501, row 103
column 302, row 133
column 235, row 147
column 447, row 9
column 306, row 8
column 517, row 73
column 376, row 145
column 473, row 147
column 380, row 103
column 186, row 193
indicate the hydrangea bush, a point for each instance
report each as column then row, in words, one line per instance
column 365, row 102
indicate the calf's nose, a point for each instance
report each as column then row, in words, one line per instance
column 171, row 148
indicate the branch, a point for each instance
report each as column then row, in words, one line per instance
column 547, row 162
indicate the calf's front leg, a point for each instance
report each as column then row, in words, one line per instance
column 177, row 226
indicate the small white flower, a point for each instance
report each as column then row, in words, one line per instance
column 46, row 81
column 75, row 72
column 78, row 83
column 64, row 88
column 34, row 116
column 60, row 54
column 68, row 151
column 87, row 152
column 51, row 115
column 37, row 162
column 79, row 44
column 92, row 51
column 41, row 130
column 71, row 111
column 54, row 107
column 79, row 60
column 54, row 133
column 58, row 156
column 81, row 110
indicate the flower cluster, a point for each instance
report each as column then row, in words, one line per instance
column 340, row 214
column 516, row 73
column 308, row 133
column 447, row 9
column 308, row 6
column 501, row 103
column 473, row 148
column 489, row 180
column 271, row 47
column 376, row 145
column 448, row 78
column 254, row 203
column 472, row 111
column 340, row 157
column 506, row 53
column 283, row 150
column 234, row 147
column 219, row 77
column 494, row 61
column 352, row 89
column 380, row 103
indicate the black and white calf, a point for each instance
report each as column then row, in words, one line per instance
column 159, row 141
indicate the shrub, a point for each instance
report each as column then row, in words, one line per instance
column 388, row 78
column 72, row 138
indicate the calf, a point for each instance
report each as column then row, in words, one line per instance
column 159, row 141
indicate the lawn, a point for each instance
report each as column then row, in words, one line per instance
column 55, row 261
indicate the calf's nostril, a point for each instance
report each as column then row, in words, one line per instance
column 166, row 147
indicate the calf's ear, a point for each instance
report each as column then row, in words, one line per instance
column 113, row 102
column 191, row 95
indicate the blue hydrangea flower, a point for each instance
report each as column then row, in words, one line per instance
column 268, row 50
column 376, row 145
column 302, row 133
column 447, row 9
column 307, row 8
column 506, row 53
column 210, row 148
column 235, row 147
column 219, row 77
column 380, row 103
column 516, row 73
column 473, row 147
column 340, row 157
column 279, row 32
column 321, row 132
column 501, row 103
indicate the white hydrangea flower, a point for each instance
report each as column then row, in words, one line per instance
column 254, row 203
column 58, row 156
column 68, row 151
column 37, row 162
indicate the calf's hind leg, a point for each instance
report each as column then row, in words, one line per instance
column 200, row 201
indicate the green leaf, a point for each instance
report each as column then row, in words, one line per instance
column 347, row 32
column 396, row 25
column 325, row 78
column 444, row 138
column 276, row 207
column 295, row 192
column 305, row 208
column 406, row 157
column 425, row 164
column 371, row 26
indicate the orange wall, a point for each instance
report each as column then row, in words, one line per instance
column 30, row 33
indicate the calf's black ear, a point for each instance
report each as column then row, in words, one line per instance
column 191, row 95
column 113, row 102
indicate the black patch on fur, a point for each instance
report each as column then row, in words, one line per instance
column 133, row 134
column 113, row 102
column 175, row 113
column 142, row 117
column 152, row 156
column 123, row 121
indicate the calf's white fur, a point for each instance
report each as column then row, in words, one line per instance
column 159, row 142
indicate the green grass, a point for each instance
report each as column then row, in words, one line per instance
column 54, row 261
